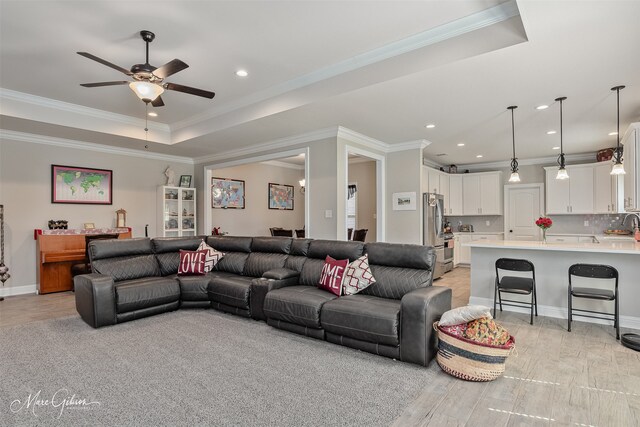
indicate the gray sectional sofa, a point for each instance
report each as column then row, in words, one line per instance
column 273, row 279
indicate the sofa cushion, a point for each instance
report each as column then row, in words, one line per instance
column 137, row 294
column 127, row 267
column 116, row 248
column 258, row 263
column 167, row 250
column 395, row 282
column 300, row 247
column 336, row 249
column 311, row 272
column 232, row 262
column 398, row 255
column 230, row 243
column 194, row 288
column 192, row 263
column 331, row 276
column 364, row 318
column 274, row 245
column 230, row 290
column 299, row 305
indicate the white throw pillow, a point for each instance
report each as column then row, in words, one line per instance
column 464, row 315
column 212, row 258
column 357, row 276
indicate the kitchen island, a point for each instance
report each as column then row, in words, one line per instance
column 552, row 262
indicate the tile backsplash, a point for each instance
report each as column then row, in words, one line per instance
column 562, row 224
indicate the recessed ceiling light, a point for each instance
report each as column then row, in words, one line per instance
column 152, row 114
column 242, row 73
column 555, row 148
column 430, row 126
column 461, row 144
column 479, row 156
column 613, row 133
column 551, row 132
column 542, row 107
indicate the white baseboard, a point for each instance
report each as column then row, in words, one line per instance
column 17, row 290
column 558, row 313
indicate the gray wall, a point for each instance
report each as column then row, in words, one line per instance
column 25, row 191
column 404, row 169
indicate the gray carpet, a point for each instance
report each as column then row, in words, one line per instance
column 196, row 367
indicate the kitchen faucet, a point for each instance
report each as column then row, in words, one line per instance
column 636, row 220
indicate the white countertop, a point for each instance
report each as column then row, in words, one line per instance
column 599, row 236
column 489, row 233
column 613, row 247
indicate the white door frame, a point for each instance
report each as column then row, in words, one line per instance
column 381, row 189
column 507, row 199
column 208, row 174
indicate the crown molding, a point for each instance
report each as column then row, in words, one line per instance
column 431, row 163
column 277, row 144
column 89, row 146
column 281, row 164
column 12, row 95
column 358, row 138
column 473, row 22
column 528, row 162
column 409, row 145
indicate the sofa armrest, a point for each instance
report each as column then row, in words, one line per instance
column 418, row 310
column 95, row 299
column 259, row 289
column 280, row 274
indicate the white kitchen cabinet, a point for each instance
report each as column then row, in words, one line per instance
column 464, row 256
column 434, row 181
column 455, row 195
column 570, row 196
column 605, row 185
column 482, row 193
column 444, row 190
column 631, row 143
column 456, row 250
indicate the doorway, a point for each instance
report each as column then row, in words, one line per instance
column 523, row 205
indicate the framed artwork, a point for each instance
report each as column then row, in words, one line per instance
column 404, row 201
column 281, row 197
column 227, row 193
column 185, row 181
column 71, row 184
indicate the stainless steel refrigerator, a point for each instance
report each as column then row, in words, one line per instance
column 433, row 228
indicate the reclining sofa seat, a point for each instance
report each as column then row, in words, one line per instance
column 297, row 308
column 246, row 259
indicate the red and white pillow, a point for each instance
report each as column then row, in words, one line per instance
column 191, row 263
column 358, row 276
column 212, row 257
column 331, row 276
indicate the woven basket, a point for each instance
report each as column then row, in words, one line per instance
column 469, row 360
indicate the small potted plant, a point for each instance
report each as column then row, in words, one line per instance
column 544, row 223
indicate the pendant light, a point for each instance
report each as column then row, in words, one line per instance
column 618, row 167
column 562, row 172
column 515, row 176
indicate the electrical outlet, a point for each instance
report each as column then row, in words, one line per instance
column 375, row 216
column 487, row 223
column 328, row 213
column 586, row 223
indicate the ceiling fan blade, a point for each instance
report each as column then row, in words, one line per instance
column 189, row 90
column 170, row 68
column 158, row 102
column 107, row 63
column 104, row 84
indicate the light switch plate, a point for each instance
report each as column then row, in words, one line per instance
column 487, row 223
column 586, row 223
column 328, row 213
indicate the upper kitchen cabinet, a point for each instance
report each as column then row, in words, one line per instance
column 482, row 193
column 631, row 143
column 606, row 189
column 455, row 195
column 434, row 181
column 571, row 196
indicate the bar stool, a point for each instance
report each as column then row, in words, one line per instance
column 515, row 284
column 594, row 271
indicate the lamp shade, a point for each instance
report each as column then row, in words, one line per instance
column 618, row 169
column 562, row 174
column 515, row 177
column 146, row 91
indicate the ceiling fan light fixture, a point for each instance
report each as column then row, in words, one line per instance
column 146, row 91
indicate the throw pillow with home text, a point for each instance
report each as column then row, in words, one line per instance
column 331, row 276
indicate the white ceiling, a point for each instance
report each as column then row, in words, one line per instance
column 318, row 64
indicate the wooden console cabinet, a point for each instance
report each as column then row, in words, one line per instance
column 58, row 250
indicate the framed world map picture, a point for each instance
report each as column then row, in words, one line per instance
column 70, row 184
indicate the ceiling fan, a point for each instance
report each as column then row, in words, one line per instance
column 148, row 81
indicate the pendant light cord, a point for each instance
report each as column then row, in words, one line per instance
column 514, row 160
column 561, row 160
column 618, row 152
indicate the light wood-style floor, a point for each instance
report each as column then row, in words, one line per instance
column 558, row 378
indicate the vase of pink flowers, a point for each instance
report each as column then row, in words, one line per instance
column 544, row 223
